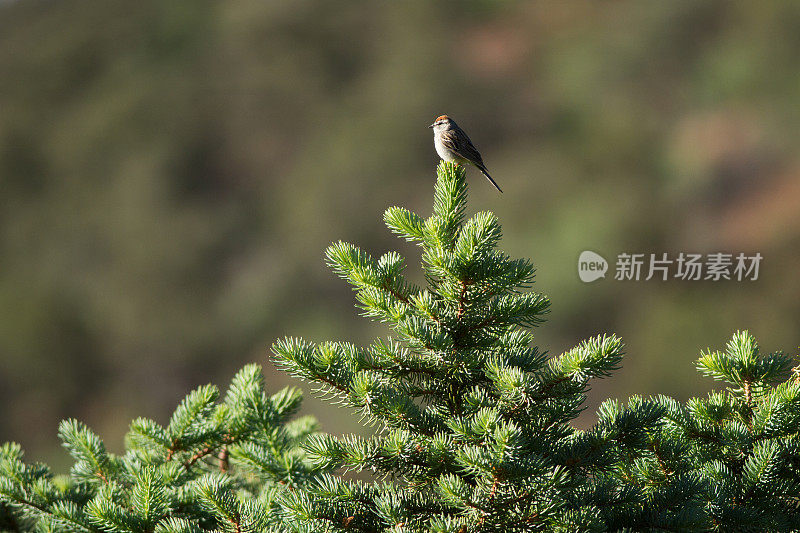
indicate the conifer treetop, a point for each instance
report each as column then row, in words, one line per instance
column 474, row 418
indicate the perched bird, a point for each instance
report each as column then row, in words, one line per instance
column 453, row 145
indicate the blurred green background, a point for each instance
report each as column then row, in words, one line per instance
column 171, row 172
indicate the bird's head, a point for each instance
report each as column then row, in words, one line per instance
column 442, row 123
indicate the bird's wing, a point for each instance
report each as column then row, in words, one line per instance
column 458, row 142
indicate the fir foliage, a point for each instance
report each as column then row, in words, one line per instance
column 475, row 421
column 473, row 424
column 217, row 466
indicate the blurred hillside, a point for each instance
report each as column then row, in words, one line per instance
column 171, row 173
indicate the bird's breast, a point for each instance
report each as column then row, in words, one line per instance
column 442, row 150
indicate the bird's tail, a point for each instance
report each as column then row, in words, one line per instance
column 485, row 173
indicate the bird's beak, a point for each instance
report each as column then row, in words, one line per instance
column 432, row 125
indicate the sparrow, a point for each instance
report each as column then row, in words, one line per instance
column 454, row 146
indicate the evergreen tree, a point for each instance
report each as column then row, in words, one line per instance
column 738, row 449
column 216, row 466
column 474, row 424
column 474, row 420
